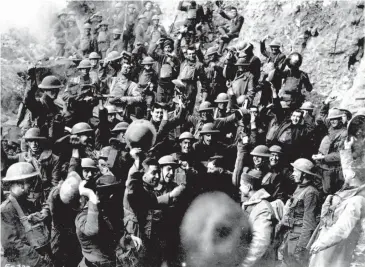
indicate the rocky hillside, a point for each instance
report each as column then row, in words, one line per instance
column 329, row 34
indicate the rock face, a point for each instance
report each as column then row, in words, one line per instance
column 329, row 34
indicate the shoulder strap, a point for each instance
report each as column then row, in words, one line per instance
column 266, row 178
column 16, row 206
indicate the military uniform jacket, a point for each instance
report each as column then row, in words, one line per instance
column 17, row 249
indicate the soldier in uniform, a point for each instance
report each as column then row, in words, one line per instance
column 300, row 215
column 19, row 247
column 43, row 160
column 214, row 73
column 128, row 33
column 95, row 60
column 155, row 31
column 103, row 39
column 60, row 31
column 86, row 43
column 117, row 43
column 44, row 110
column 275, row 55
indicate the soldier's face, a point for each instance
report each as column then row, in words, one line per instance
column 335, row 123
column 35, row 146
column 86, row 140
column 222, row 106
column 257, row 161
column 94, row 62
column 157, row 114
column 148, row 6
column 103, row 166
column 274, row 159
column 104, row 28
column 296, row 118
column 121, row 137
column 297, row 176
column 204, row 115
column 84, row 72
column 155, row 22
column 89, row 173
column 233, row 13
column 167, row 49
column 152, row 176
column 344, row 119
column 126, row 69
column 112, row 117
column 211, row 168
column 148, row 67
column 186, row 146
column 53, row 93
column 167, row 173
column 207, row 139
column 275, row 50
column 191, row 55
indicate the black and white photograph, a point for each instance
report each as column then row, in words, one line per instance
column 193, row 133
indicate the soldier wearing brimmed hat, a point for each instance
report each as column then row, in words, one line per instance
column 43, row 160
column 191, row 71
column 64, row 203
column 275, row 55
column 328, row 156
column 139, row 216
column 194, row 13
column 150, row 11
column 72, row 34
column 86, row 43
column 294, row 81
column 214, row 73
column 208, row 145
column 98, row 225
column 44, row 110
column 262, row 219
column 17, row 245
column 300, row 214
column 243, row 83
column 117, row 42
column 155, row 31
column 167, row 68
column 140, row 30
column 103, row 38
column 147, row 81
column 60, row 31
column 246, row 50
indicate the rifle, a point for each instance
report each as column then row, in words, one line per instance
column 22, row 108
column 172, row 25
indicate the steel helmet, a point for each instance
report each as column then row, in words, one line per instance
column 111, row 109
column 167, row 160
column 304, row 165
column 243, row 61
column 155, row 17
column 104, row 152
column 50, row 82
column 69, row 190
column 307, row 106
column 147, row 61
column 211, row 51
column 85, row 64
column 132, row 6
column 62, row 13
column 87, row 26
column 208, row 128
column 114, row 55
column 261, row 151
column 275, row 42
column 141, row 17
column 34, row 134
column 94, row 55
column 81, row 127
column 276, row 149
column 141, row 134
column 186, row 135
column 20, row 171
column 121, row 127
column 178, row 83
column 117, row 31
column 205, row 106
column 295, row 59
column 243, row 46
column 334, row 113
column 222, row 98
column 118, row 5
column 88, row 163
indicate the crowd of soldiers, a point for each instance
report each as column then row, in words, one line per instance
column 110, row 161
